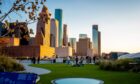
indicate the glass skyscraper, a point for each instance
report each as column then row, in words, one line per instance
column 72, row 42
column 58, row 16
column 96, row 40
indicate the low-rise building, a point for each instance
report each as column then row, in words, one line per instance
column 63, row 51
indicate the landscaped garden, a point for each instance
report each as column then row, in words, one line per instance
column 87, row 71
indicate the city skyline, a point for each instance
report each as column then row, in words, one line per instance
column 117, row 20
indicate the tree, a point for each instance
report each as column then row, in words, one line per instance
column 0, row 4
column 29, row 7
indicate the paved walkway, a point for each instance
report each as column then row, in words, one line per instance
column 30, row 69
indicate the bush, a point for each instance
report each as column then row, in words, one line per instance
column 106, row 65
column 124, row 64
column 9, row 64
column 117, row 65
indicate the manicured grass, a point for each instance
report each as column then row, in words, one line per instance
column 88, row 71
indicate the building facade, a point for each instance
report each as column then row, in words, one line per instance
column 63, row 51
column 7, row 42
column 84, row 47
column 40, row 45
column 54, row 33
column 58, row 16
column 65, row 36
column 83, row 36
column 96, row 39
column 72, row 42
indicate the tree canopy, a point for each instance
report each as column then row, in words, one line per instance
column 29, row 7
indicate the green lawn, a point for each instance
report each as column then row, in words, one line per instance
column 88, row 71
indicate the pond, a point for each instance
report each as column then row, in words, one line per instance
column 77, row 81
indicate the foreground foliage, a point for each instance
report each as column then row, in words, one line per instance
column 9, row 64
column 120, row 65
column 87, row 71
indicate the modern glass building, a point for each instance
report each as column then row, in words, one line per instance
column 96, row 36
column 58, row 16
column 72, row 42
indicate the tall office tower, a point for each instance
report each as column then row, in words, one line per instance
column 96, row 39
column 72, row 42
column 58, row 16
column 54, row 33
column 65, row 36
column 82, row 36
column 43, row 28
column 99, row 43
column 84, row 48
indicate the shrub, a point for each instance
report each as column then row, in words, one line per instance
column 106, row 65
column 123, row 64
column 117, row 65
column 9, row 64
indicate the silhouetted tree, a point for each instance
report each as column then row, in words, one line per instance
column 29, row 7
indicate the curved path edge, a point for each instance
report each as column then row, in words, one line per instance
column 30, row 69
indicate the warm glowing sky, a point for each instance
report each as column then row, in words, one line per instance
column 118, row 20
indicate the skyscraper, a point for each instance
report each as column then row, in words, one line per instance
column 43, row 28
column 58, row 16
column 96, row 36
column 72, row 42
column 65, row 36
column 54, row 33
column 99, row 43
column 83, row 47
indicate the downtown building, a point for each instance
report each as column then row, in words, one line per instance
column 65, row 36
column 96, row 39
column 64, row 50
column 54, row 33
column 59, row 17
column 84, row 47
column 40, row 45
column 72, row 43
column 83, row 36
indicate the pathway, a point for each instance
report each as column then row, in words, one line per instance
column 31, row 69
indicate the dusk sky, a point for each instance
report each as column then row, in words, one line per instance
column 118, row 20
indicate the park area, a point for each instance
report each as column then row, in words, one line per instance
column 86, row 71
